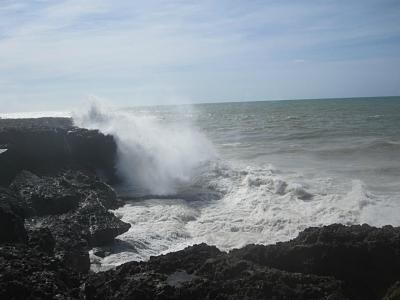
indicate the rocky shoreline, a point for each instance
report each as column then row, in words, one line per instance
column 55, row 197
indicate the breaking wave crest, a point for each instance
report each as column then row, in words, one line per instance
column 182, row 193
column 153, row 157
column 255, row 205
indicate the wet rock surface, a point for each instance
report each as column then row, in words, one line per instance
column 99, row 226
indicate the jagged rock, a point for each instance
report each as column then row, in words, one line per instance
column 11, row 218
column 27, row 273
column 42, row 240
column 70, row 246
column 203, row 272
column 366, row 258
column 45, row 196
column 61, row 193
column 77, row 231
column 99, row 226
column 46, row 145
column 72, row 205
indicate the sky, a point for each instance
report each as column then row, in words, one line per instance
column 57, row 54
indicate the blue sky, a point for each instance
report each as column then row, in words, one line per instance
column 54, row 55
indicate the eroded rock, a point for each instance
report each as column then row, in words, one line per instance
column 203, row 272
column 46, row 145
column 12, row 215
column 27, row 273
column 366, row 258
column 61, row 193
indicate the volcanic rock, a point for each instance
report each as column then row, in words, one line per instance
column 11, row 218
column 99, row 226
column 61, row 193
column 46, row 145
column 26, row 273
column 77, row 231
column 203, row 272
column 366, row 258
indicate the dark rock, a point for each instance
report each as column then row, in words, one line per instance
column 11, row 218
column 26, row 273
column 70, row 246
column 76, row 232
column 45, row 196
column 99, row 226
column 61, row 193
column 46, row 145
column 203, row 272
column 94, row 150
column 85, row 183
column 366, row 258
column 191, row 258
column 42, row 240
column 72, row 206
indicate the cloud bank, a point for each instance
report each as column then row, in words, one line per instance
column 55, row 53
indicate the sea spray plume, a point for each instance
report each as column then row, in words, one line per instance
column 153, row 156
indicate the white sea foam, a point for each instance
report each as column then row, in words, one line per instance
column 258, row 206
column 153, row 156
column 224, row 203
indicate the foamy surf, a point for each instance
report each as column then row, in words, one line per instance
column 153, row 156
column 229, row 179
column 258, row 206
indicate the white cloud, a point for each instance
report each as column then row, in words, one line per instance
column 142, row 51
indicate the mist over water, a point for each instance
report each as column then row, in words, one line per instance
column 239, row 173
column 154, row 157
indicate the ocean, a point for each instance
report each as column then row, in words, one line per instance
column 231, row 174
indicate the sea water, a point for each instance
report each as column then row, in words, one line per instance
column 231, row 174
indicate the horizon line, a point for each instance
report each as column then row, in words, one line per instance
column 3, row 114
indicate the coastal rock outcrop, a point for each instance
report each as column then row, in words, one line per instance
column 46, row 145
column 55, row 188
column 27, row 273
column 77, row 230
column 203, row 272
column 11, row 218
column 99, row 226
column 62, row 192
column 45, row 196
column 365, row 258
column 330, row 262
